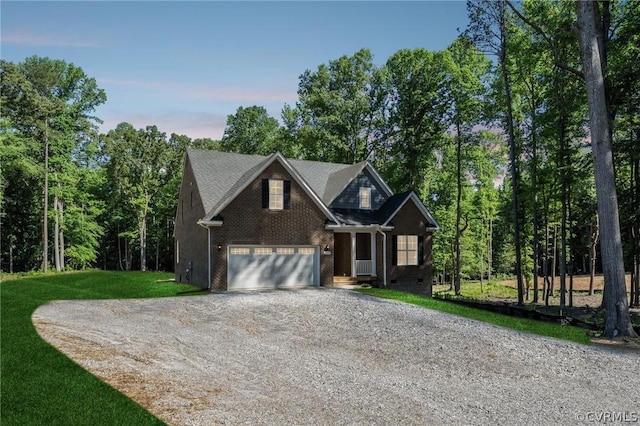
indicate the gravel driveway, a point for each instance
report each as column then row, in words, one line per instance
column 328, row 356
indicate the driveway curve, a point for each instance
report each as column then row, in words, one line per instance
column 328, row 356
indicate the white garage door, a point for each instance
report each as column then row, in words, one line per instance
column 252, row 267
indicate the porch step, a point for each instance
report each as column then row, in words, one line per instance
column 352, row 280
column 345, row 281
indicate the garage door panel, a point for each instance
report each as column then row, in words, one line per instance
column 272, row 267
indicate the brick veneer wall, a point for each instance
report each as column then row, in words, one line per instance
column 190, row 239
column 408, row 221
column 246, row 222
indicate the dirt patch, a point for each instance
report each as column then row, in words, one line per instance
column 579, row 304
column 327, row 356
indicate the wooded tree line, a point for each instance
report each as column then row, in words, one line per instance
column 495, row 134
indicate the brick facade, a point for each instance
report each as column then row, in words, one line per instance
column 415, row 278
column 246, row 222
column 190, row 239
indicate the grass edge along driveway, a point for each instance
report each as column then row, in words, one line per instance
column 41, row 386
column 570, row 333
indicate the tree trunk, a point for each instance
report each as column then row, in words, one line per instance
column 45, row 208
column 563, row 164
column 142, row 225
column 512, row 161
column 592, row 254
column 128, row 254
column 490, row 255
column 458, row 208
column 56, row 234
column 554, row 258
column 591, row 38
column 572, row 249
column 61, row 236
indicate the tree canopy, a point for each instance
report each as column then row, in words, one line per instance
column 498, row 135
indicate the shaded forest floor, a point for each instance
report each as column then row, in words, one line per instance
column 580, row 308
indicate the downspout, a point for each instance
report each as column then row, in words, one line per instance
column 384, row 257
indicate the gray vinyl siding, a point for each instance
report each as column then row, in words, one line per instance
column 350, row 197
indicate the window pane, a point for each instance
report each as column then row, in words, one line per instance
column 276, row 191
column 262, row 250
column 412, row 258
column 306, row 250
column 365, row 198
column 284, row 250
column 412, row 242
column 402, row 258
column 402, row 242
column 239, row 250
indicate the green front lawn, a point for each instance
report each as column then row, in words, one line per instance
column 41, row 386
column 573, row 334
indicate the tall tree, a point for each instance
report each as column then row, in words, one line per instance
column 339, row 111
column 52, row 102
column 251, row 131
column 592, row 35
column 489, row 28
column 468, row 71
column 417, row 109
column 140, row 163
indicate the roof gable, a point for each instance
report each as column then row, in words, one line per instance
column 340, row 180
column 223, row 176
column 397, row 202
column 349, row 197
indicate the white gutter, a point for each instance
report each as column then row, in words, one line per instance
column 384, row 256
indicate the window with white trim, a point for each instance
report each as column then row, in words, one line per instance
column 407, row 250
column 365, row 198
column 276, row 194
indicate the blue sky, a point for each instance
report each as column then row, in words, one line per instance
column 185, row 66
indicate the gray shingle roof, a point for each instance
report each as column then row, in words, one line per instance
column 338, row 181
column 319, row 176
column 219, row 175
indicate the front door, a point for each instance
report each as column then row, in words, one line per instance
column 342, row 255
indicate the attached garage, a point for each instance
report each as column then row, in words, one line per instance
column 264, row 267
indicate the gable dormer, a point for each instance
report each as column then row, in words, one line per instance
column 364, row 192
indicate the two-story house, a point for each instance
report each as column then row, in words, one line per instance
column 252, row 222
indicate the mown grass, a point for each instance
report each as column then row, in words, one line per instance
column 41, row 386
column 573, row 334
column 479, row 291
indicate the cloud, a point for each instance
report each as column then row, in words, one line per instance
column 46, row 40
column 192, row 124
